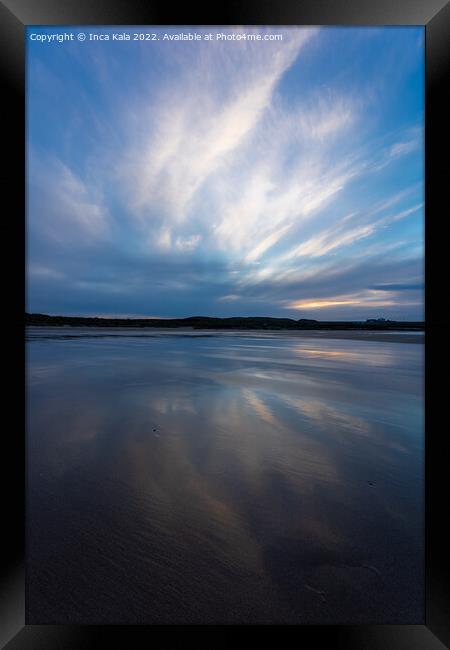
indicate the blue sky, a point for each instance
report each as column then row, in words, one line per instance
column 222, row 178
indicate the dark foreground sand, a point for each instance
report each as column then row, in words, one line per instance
column 224, row 477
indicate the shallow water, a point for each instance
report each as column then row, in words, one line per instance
column 212, row 477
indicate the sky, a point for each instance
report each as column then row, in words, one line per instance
column 226, row 177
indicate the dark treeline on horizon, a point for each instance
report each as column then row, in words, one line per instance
column 236, row 322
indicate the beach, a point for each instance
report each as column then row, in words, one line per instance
column 204, row 477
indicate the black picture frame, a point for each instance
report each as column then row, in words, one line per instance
column 15, row 15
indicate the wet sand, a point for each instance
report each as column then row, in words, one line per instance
column 66, row 331
column 224, row 477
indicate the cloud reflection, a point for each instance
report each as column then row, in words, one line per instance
column 224, row 495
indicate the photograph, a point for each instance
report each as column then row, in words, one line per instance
column 225, row 325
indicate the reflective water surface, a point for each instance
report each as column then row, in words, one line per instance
column 208, row 477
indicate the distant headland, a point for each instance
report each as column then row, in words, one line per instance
column 232, row 323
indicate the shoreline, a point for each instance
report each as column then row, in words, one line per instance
column 69, row 331
column 233, row 323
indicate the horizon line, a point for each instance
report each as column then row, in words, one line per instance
column 169, row 318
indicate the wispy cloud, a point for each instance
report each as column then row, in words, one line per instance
column 261, row 176
column 402, row 148
column 63, row 205
column 193, row 126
